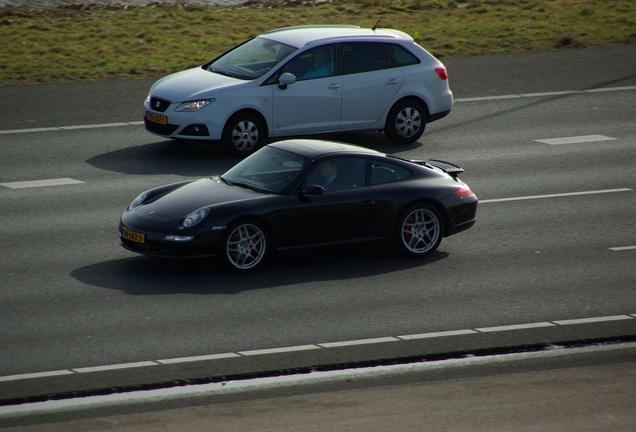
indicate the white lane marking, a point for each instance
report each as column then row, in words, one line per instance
column 593, row 320
column 36, row 375
column 437, row 334
column 99, row 125
column 514, row 327
column 278, row 350
column 471, row 99
column 567, row 194
column 66, row 128
column 545, row 94
column 358, row 342
column 327, row 345
column 41, row 183
column 622, row 248
column 115, row 367
column 575, row 139
column 198, row 358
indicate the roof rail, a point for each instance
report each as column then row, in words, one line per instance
column 313, row 26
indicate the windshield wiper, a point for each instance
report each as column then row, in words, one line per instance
column 245, row 186
column 239, row 184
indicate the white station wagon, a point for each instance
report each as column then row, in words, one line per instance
column 304, row 80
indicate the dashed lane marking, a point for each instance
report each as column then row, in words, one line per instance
column 67, row 128
column 575, row 139
column 560, row 195
column 328, row 345
column 41, row 183
column 622, row 248
column 545, row 94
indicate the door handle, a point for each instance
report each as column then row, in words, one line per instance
column 334, row 86
column 393, row 81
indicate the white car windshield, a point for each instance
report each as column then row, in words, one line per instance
column 251, row 59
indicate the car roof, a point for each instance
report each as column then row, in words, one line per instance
column 312, row 148
column 300, row 36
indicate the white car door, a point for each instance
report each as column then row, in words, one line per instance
column 313, row 103
column 307, row 106
column 370, row 83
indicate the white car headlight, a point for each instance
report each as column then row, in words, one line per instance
column 196, row 105
column 195, row 217
column 138, row 201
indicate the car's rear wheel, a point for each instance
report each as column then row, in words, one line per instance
column 243, row 134
column 245, row 246
column 419, row 231
column 406, row 122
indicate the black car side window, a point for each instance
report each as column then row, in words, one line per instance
column 382, row 172
column 339, row 174
column 365, row 57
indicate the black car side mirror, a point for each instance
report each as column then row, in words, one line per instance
column 314, row 189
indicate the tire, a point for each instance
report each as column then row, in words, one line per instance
column 245, row 246
column 243, row 134
column 406, row 122
column 419, row 231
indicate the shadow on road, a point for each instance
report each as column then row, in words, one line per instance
column 151, row 276
column 197, row 159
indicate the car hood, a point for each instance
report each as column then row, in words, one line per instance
column 176, row 204
column 191, row 84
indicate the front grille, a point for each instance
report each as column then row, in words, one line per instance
column 158, row 104
column 159, row 128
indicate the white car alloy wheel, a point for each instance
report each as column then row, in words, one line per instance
column 243, row 135
column 406, row 122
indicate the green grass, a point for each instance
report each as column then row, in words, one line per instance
column 96, row 42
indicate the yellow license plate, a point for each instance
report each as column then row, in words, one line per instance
column 134, row 236
column 156, row 118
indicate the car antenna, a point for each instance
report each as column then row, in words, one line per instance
column 381, row 16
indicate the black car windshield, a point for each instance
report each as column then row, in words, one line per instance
column 251, row 59
column 269, row 170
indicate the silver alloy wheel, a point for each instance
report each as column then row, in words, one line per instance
column 421, row 231
column 245, row 135
column 408, row 122
column 246, row 246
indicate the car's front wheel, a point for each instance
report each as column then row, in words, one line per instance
column 245, row 246
column 243, row 134
column 419, row 231
column 406, row 122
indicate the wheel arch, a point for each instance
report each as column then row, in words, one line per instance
column 254, row 112
column 265, row 223
column 415, row 98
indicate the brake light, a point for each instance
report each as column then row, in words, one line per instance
column 441, row 73
column 463, row 192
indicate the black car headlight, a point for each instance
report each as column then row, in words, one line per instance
column 139, row 200
column 195, row 217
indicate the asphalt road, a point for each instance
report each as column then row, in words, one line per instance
column 551, row 258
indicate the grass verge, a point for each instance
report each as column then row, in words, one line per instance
column 88, row 41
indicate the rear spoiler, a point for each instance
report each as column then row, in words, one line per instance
column 451, row 169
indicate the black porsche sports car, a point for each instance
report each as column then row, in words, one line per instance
column 298, row 194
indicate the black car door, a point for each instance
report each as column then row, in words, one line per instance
column 346, row 213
